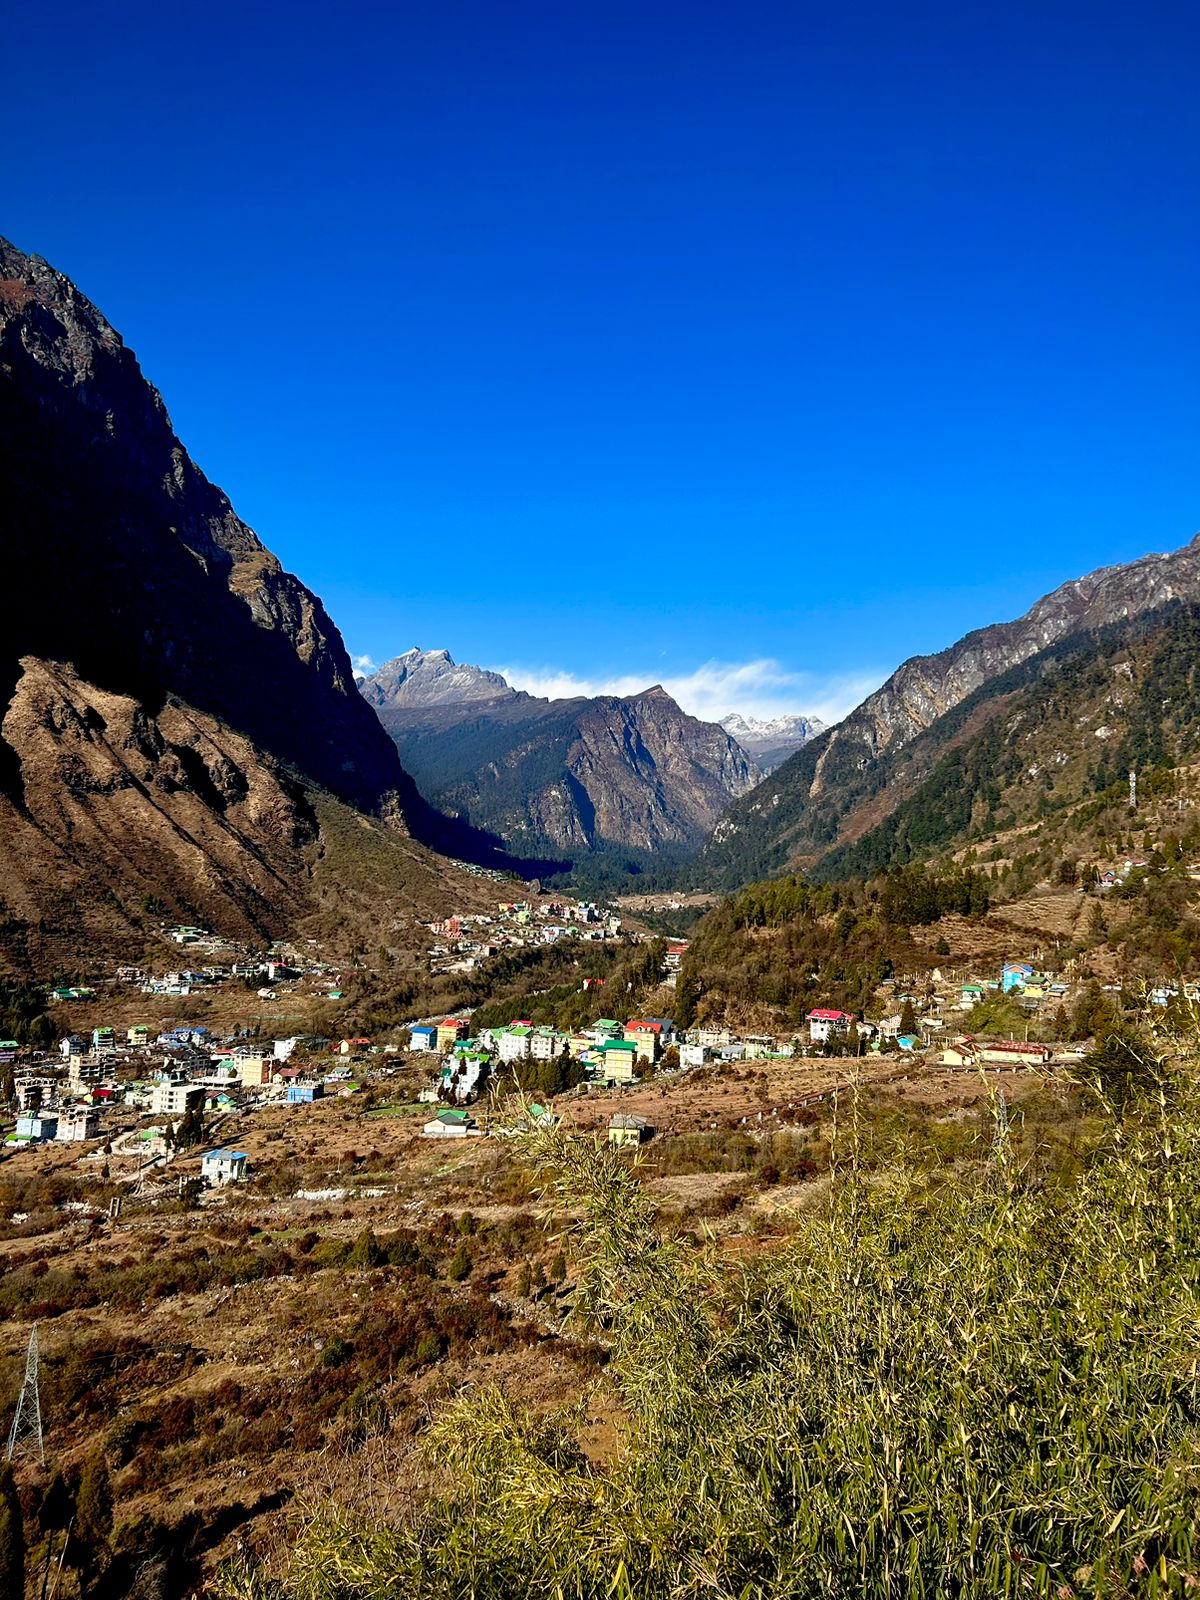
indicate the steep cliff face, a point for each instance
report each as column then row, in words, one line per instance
column 572, row 777
column 170, row 698
column 123, row 559
column 846, row 780
column 120, row 809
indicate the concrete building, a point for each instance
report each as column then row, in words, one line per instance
column 514, row 1043
column 36, row 1127
column 78, row 1125
column 255, row 1071
column 219, row 1167
column 175, row 1099
column 824, row 1024
column 623, row 1130
column 449, row 1125
column 618, row 1058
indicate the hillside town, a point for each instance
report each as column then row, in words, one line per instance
column 141, row 1095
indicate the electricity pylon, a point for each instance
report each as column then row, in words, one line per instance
column 27, row 1419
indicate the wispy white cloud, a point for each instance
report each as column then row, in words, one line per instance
column 363, row 666
column 760, row 688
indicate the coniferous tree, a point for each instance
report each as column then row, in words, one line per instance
column 57, row 1507
column 687, row 993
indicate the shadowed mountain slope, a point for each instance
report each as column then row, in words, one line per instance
column 169, row 695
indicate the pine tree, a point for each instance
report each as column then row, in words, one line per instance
column 57, row 1508
column 12, row 1539
column 908, row 1020
column 687, row 993
column 524, row 1282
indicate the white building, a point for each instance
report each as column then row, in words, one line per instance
column 219, row 1167
column 174, row 1099
column 82, row 1123
column 826, row 1024
column 545, row 1046
column 449, row 1125
column 514, row 1044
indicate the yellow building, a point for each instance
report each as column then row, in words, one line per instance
column 254, row 1071
column 450, row 1032
column 620, row 1057
column 623, row 1130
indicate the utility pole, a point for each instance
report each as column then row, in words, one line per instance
column 27, row 1419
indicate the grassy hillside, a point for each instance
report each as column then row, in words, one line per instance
column 971, row 1382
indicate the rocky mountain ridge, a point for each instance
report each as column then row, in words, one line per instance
column 1041, row 754
column 837, row 786
column 422, row 678
column 632, row 774
column 170, row 697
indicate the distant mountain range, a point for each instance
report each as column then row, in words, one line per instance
column 843, row 789
column 181, row 734
column 771, row 741
column 633, row 777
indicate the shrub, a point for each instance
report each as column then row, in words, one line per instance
column 336, row 1353
column 964, row 1384
column 367, row 1251
column 460, row 1264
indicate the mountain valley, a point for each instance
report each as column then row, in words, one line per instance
column 632, row 779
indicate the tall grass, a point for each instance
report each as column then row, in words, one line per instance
column 968, row 1385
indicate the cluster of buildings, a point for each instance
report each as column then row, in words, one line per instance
column 210, row 961
column 609, row 1052
column 463, row 942
column 168, row 1074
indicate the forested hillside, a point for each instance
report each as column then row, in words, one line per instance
column 853, row 776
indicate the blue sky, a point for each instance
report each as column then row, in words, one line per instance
column 749, row 348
